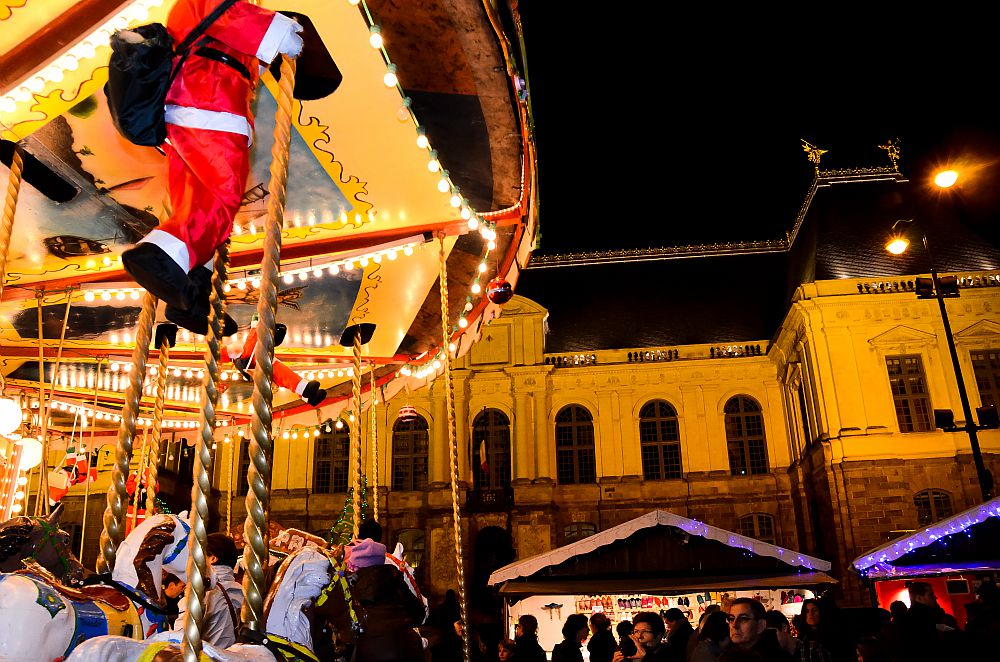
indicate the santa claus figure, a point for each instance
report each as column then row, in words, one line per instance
column 209, row 131
column 242, row 358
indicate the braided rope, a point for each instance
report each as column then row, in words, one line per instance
column 197, row 565
column 256, row 553
column 374, row 425
column 452, row 445
column 10, row 206
column 154, row 446
column 114, row 514
column 356, row 431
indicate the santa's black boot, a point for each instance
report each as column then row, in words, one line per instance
column 154, row 270
column 195, row 318
column 313, row 394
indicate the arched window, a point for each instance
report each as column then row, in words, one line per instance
column 932, row 505
column 660, row 440
column 331, row 460
column 745, row 436
column 578, row 531
column 409, row 454
column 759, row 526
column 575, row 455
column 414, row 546
column 491, row 448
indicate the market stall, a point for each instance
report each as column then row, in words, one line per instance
column 654, row 563
column 953, row 555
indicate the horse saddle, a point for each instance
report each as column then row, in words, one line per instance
column 106, row 595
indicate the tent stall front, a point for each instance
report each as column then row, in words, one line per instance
column 652, row 563
column 953, row 555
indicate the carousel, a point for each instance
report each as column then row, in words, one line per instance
column 389, row 204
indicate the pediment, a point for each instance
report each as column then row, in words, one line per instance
column 983, row 329
column 902, row 335
column 521, row 305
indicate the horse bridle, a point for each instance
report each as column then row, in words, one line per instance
column 51, row 539
column 338, row 578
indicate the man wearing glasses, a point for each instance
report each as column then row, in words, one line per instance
column 747, row 626
column 647, row 633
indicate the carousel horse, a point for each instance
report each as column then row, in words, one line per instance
column 43, row 620
column 40, row 540
column 309, row 590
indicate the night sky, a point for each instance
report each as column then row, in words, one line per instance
column 683, row 126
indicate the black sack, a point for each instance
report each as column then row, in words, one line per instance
column 139, row 76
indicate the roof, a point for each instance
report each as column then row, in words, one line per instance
column 753, row 559
column 939, row 548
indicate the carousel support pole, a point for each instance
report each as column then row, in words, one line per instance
column 90, row 451
column 197, row 565
column 114, row 514
column 229, row 486
column 374, row 423
column 356, row 433
column 166, row 337
column 452, row 445
column 255, row 530
column 42, row 505
column 10, row 206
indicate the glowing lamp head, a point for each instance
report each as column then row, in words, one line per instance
column 897, row 245
column 31, row 453
column 10, row 416
column 945, row 178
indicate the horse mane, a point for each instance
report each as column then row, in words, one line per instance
column 15, row 535
column 152, row 546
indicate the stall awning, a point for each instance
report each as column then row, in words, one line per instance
column 968, row 541
column 665, row 586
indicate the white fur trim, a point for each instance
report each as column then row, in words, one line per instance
column 280, row 26
column 301, row 386
column 172, row 246
column 211, row 120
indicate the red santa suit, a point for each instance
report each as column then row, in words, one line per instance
column 210, row 123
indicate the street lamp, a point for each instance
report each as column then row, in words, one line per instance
column 949, row 287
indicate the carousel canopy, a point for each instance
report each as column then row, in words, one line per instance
column 379, row 169
column 661, row 552
column 968, row 541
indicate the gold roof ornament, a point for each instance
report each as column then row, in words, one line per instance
column 892, row 148
column 815, row 153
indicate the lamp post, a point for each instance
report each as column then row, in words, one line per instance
column 896, row 246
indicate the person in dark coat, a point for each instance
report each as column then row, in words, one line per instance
column 678, row 635
column 527, row 648
column 574, row 631
column 390, row 611
column 602, row 643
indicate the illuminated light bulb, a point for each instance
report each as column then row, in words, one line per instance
column 451, row 347
column 354, row 3
column 241, row 285
column 390, row 79
column 317, row 272
column 127, row 367
column 53, row 73
column 391, row 255
column 408, row 250
column 284, row 435
column 364, row 261
column 437, row 364
column 456, row 201
column 177, row 372
column 35, row 84
column 105, row 296
column 72, row 409
column 22, row 480
column 342, row 218
column 7, row 105
column 482, row 267
column 120, row 296
column 89, row 296
column 443, row 184
column 339, row 424
column 351, row 418
column 334, row 270
column 377, row 259
column 85, row 50
column 473, row 223
column 357, row 220
column 422, row 141
column 349, row 265
column 255, row 282
column 375, row 37
column 288, row 279
column 945, row 178
column 476, row 288
column 303, row 275
column 466, row 213
column 241, row 432
column 189, row 374
column 134, row 295
column 295, row 435
column 227, row 288
column 316, row 432
column 16, row 508
column 433, row 165
column 462, row 322
column 468, row 306
column 21, row 94
column 491, row 245
column 69, row 62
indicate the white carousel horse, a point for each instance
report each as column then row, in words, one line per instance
column 43, row 620
column 291, row 603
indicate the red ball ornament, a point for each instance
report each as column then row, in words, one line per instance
column 408, row 413
column 499, row 291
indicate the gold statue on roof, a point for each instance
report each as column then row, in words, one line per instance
column 814, row 152
column 892, row 148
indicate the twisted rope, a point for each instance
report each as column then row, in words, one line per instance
column 452, row 445
column 197, row 565
column 154, row 446
column 114, row 514
column 374, row 422
column 255, row 554
column 10, row 206
column 356, row 431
